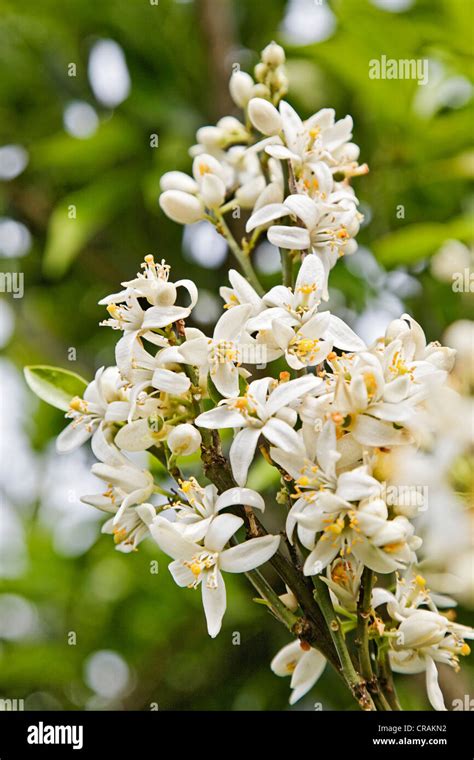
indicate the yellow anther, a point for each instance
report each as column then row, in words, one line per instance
column 393, row 547
column 370, row 383
column 78, row 404
column 465, row 650
column 420, row 581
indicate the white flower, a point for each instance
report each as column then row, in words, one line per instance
column 319, row 138
column 222, row 354
column 345, row 509
column 304, row 665
column 422, row 640
column 202, row 505
column 132, row 527
column 127, row 484
column 291, row 325
column 327, row 226
column 241, row 293
column 261, row 411
column 380, row 396
column 184, row 440
column 343, row 580
column 104, row 402
column 154, row 285
column 423, row 636
column 196, row 564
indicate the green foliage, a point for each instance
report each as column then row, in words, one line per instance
column 55, row 386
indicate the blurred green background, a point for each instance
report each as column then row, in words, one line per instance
column 138, row 640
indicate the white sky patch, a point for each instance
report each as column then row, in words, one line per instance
column 108, row 73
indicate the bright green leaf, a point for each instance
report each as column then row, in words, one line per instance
column 54, row 385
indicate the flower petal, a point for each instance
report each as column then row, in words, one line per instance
column 285, row 393
column 214, row 602
column 304, row 208
column 248, row 555
column 220, row 531
column 306, row 673
column 170, row 540
column 174, row 383
column 242, row 452
column 343, row 337
column 292, row 238
column 282, row 435
column 220, row 417
column 244, row 496
column 266, row 215
column 435, row 695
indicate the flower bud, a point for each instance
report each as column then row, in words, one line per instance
column 211, row 137
column 261, row 71
column 264, row 116
column 178, row 181
column 184, row 440
column 422, row 629
column 261, row 91
column 374, row 506
column 166, row 294
column 181, row 207
column 203, row 164
column 272, row 193
column 273, row 55
column 240, row 88
column 212, row 191
column 249, row 192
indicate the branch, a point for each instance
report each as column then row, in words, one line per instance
column 355, row 682
column 364, row 605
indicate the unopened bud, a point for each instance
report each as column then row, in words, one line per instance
column 273, row 55
column 178, row 181
column 184, row 440
column 181, row 207
column 212, row 191
column 264, row 116
column 240, row 88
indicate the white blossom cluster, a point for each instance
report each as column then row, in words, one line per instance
column 291, row 381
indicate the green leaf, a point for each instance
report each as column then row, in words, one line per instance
column 417, row 241
column 54, row 385
column 80, row 216
column 214, row 394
